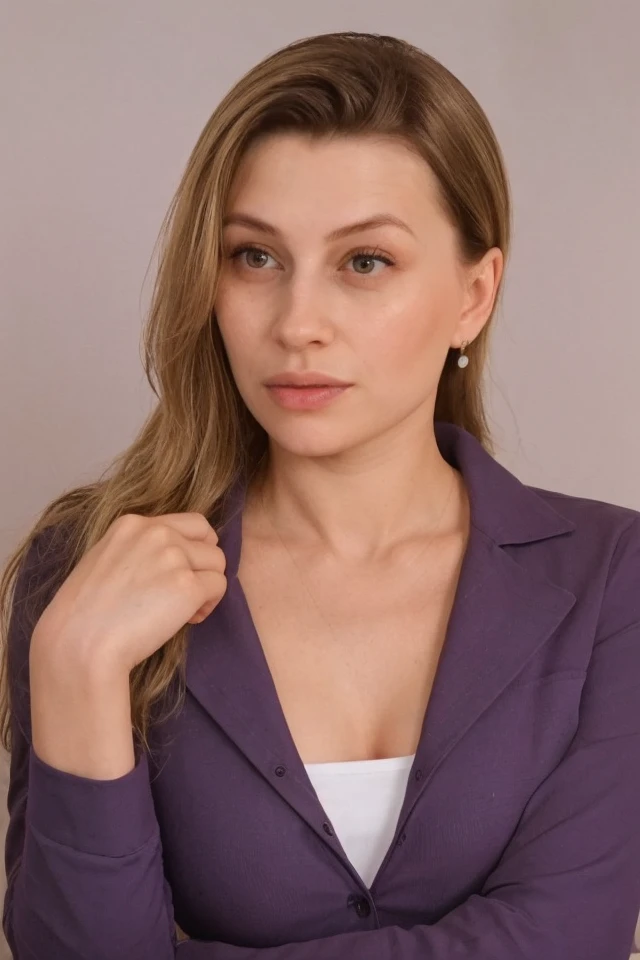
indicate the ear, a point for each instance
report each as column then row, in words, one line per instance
column 481, row 287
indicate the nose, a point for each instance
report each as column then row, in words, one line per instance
column 302, row 317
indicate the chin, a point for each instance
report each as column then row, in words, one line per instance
column 310, row 440
column 303, row 445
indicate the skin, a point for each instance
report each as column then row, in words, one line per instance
column 306, row 303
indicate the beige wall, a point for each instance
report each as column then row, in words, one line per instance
column 102, row 105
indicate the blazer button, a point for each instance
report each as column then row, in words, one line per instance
column 360, row 905
column 280, row 771
column 328, row 829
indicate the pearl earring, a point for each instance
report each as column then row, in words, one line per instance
column 462, row 360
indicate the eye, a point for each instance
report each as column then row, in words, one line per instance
column 248, row 248
column 370, row 256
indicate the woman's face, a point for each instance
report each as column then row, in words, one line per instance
column 378, row 306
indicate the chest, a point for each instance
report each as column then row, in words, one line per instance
column 352, row 658
column 234, row 825
column 237, row 813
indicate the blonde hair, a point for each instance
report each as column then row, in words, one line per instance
column 200, row 436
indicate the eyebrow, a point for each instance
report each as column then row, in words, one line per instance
column 378, row 220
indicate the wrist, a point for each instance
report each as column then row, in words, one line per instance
column 80, row 714
column 65, row 662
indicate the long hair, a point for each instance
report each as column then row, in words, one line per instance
column 200, row 436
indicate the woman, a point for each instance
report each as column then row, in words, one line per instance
column 309, row 674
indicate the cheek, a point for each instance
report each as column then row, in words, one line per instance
column 234, row 318
column 408, row 339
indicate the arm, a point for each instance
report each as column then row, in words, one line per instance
column 82, row 855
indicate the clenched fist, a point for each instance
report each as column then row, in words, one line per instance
column 134, row 589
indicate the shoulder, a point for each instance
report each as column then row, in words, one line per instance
column 601, row 554
column 40, row 573
column 44, row 565
column 588, row 513
column 48, row 552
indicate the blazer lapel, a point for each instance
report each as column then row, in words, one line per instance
column 228, row 674
column 501, row 616
column 502, row 612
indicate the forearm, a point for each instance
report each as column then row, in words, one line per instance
column 86, row 874
column 80, row 713
column 89, row 881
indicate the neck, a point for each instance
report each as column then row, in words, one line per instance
column 358, row 511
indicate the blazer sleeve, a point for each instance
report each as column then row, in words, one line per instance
column 86, row 864
column 83, row 857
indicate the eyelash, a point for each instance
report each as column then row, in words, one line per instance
column 369, row 253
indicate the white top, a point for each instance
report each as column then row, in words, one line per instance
column 362, row 799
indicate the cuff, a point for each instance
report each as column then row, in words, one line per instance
column 109, row 818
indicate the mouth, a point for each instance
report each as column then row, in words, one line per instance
column 308, row 386
column 307, row 397
column 311, row 378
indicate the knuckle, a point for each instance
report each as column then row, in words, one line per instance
column 173, row 555
column 158, row 534
column 184, row 580
column 207, row 529
column 128, row 521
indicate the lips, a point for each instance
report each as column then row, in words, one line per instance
column 305, row 379
column 306, row 397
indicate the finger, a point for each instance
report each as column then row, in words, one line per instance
column 195, row 526
column 203, row 556
column 212, row 587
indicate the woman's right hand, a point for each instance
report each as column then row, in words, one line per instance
column 134, row 589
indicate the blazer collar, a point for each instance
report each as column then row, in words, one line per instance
column 502, row 614
column 502, row 507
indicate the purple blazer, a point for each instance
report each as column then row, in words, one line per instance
column 519, row 836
